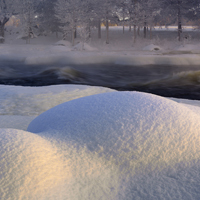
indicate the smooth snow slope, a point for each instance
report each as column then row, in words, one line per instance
column 31, row 101
column 125, row 145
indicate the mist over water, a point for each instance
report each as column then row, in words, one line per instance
column 168, row 81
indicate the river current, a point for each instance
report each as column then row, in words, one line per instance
column 163, row 80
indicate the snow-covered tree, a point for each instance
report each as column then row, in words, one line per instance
column 69, row 13
column 84, row 33
column 98, row 14
column 177, row 10
column 47, row 20
column 122, row 11
column 27, row 19
column 145, row 12
column 109, row 9
column 87, row 14
column 7, row 9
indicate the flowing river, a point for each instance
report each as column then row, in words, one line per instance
column 168, row 81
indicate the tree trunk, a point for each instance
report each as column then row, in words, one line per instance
column 179, row 21
column 29, row 35
column 123, row 21
column 145, row 31
column 107, row 31
column 2, row 26
column 135, row 34
column 99, row 28
column 135, row 21
column 73, row 36
column 138, row 31
column 75, row 32
column 130, row 26
column 89, row 29
column 150, row 32
column 145, row 27
column 73, row 26
column 1, row 33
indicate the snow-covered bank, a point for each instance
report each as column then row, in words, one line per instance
column 126, row 58
column 112, row 146
column 162, row 49
column 20, row 105
column 133, row 60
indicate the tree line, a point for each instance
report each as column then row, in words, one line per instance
column 66, row 15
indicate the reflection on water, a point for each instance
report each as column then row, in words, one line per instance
column 169, row 81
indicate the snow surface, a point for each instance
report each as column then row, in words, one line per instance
column 151, row 47
column 15, row 121
column 118, row 145
column 31, row 101
column 20, row 105
column 30, row 167
column 63, row 43
column 83, row 46
column 136, row 136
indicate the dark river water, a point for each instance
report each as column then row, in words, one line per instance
column 168, row 81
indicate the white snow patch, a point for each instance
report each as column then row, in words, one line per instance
column 63, row 43
column 151, row 47
column 143, row 139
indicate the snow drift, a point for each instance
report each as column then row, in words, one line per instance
column 131, row 140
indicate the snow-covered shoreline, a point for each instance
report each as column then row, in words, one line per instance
column 132, row 58
column 163, row 49
column 111, row 145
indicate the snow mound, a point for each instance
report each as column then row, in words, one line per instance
column 137, row 137
column 151, row 47
column 63, row 43
column 30, row 167
column 83, row 46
